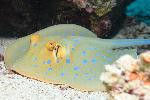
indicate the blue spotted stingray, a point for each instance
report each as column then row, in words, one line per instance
column 67, row 54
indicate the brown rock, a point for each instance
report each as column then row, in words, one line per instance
column 1, row 57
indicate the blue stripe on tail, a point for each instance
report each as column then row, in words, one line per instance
column 131, row 42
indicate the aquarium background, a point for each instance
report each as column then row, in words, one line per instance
column 21, row 17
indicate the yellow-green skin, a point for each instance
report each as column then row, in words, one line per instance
column 80, row 68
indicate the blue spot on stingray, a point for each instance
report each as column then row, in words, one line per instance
column 73, row 34
column 104, row 63
column 76, row 68
column 84, row 53
column 34, row 45
column 65, row 34
column 109, row 59
column 73, row 49
column 76, row 75
column 67, row 61
column 49, row 69
column 76, row 40
column 84, row 61
column 103, row 56
column 94, row 61
column 89, row 78
column 109, row 51
column 48, row 61
column 97, row 54
column 74, row 45
column 62, row 74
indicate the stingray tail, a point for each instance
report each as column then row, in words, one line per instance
column 122, row 46
column 130, row 42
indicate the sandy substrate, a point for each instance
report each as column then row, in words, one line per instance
column 17, row 87
column 4, row 42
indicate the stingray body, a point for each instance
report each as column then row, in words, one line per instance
column 67, row 54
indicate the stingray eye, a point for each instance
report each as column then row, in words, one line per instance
column 35, row 38
column 50, row 45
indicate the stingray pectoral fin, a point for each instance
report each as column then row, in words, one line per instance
column 16, row 51
column 19, row 48
column 66, row 30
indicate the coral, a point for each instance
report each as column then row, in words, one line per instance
column 129, row 77
column 100, row 7
column 135, row 30
column 106, row 16
column 102, row 27
column 140, row 9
